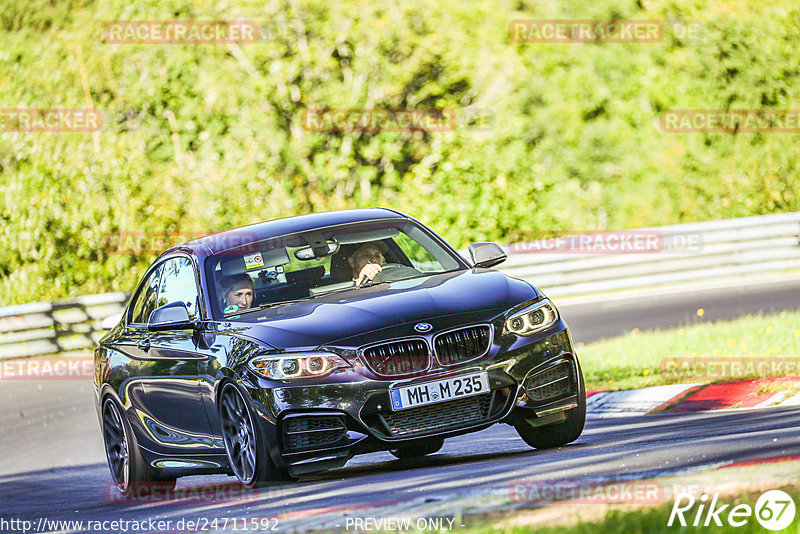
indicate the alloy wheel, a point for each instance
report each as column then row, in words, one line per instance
column 116, row 443
column 239, row 434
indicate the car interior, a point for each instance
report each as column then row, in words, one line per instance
column 281, row 273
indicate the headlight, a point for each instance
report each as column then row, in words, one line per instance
column 289, row 366
column 534, row 318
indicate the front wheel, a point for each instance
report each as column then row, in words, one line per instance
column 244, row 443
column 558, row 434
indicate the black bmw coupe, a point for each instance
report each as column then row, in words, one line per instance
column 286, row 347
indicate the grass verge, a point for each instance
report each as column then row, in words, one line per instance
column 638, row 358
column 654, row 520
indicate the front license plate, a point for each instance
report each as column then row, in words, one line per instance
column 439, row 390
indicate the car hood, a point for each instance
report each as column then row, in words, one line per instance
column 352, row 317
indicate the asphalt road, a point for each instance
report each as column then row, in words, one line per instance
column 613, row 315
column 52, row 464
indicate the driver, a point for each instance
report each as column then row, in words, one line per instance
column 367, row 261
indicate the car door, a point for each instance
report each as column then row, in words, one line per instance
column 176, row 417
column 132, row 343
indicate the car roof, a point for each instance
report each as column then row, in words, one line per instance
column 214, row 243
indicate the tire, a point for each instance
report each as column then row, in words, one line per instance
column 245, row 445
column 558, row 434
column 130, row 473
column 418, row 449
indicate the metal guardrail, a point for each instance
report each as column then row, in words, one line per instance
column 686, row 252
column 52, row 327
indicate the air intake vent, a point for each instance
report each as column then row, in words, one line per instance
column 310, row 432
column 552, row 383
column 463, row 344
column 451, row 414
column 397, row 358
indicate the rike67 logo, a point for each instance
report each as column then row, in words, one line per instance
column 774, row 510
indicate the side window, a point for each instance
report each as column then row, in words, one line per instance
column 146, row 299
column 178, row 285
column 420, row 258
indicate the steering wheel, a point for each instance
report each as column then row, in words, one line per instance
column 388, row 272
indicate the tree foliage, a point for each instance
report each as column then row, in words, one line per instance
column 201, row 138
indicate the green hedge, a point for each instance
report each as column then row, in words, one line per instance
column 207, row 137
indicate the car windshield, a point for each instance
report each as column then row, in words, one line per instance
column 323, row 260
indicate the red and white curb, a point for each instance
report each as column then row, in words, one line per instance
column 683, row 398
column 632, row 401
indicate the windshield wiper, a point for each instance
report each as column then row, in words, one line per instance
column 373, row 284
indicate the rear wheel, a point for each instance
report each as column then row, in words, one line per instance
column 244, row 444
column 418, row 449
column 130, row 473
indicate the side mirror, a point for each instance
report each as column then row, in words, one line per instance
column 486, row 254
column 172, row 316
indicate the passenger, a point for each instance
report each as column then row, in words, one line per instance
column 236, row 290
column 367, row 260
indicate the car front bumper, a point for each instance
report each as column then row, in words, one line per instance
column 311, row 428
